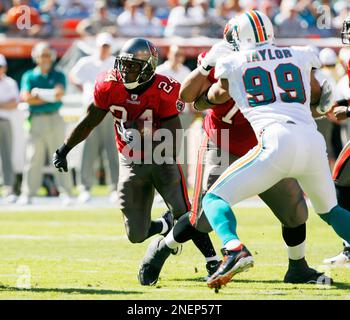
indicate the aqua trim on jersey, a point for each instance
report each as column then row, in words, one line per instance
column 244, row 162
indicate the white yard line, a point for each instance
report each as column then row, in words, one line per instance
column 54, row 204
column 62, row 238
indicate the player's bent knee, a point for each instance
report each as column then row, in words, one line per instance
column 136, row 238
column 136, row 235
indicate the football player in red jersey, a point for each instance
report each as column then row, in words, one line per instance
column 141, row 102
column 285, row 199
column 341, row 170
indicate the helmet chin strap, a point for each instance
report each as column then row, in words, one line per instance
column 131, row 85
column 135, row 84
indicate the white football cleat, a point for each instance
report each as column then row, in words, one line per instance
column 65, row 199
column 342, row 258
column 84, row 197
column 24, row 200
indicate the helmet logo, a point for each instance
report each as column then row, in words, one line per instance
column 154, row 51
column 180, row 105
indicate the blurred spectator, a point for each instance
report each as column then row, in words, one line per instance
column 270, row 8
column 99, row 22
column 342, row 9
column 132, row 22
column 174, row 67
column 154, row 26
column 288, row 22
column 192, row 18
column 102, row 139
column 17, row 22
column 42, row 88
column 74, row 8
column 230, row 8
column 8, row 102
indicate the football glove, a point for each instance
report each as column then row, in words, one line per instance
column 126, row 134
column 59, row 158
column 220, row 49
column 326, row 99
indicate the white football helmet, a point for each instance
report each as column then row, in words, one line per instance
column 254, row 29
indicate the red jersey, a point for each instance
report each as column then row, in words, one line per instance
column 158, row 102
column 227, row 116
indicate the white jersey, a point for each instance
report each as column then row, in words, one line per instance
column 270, row 84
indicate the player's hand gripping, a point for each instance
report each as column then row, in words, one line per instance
column 59, row 158
column 218, row 50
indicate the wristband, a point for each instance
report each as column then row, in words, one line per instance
column 204, row 71
column 63, row 150
column 348, row 112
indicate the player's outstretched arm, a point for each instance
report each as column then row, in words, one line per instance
column 218, row 92
column 193, row 86
column 93, row 117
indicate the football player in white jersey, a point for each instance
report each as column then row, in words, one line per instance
column 274, row 89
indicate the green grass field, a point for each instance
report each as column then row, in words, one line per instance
column 85, row 255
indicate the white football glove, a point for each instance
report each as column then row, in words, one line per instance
column 125, row 134
column 218, row 50
column 326, row 99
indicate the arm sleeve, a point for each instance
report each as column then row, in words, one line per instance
column 170, row 104
column 307, row 56
column 25, row 83
column 100, row 96
column 223, row 68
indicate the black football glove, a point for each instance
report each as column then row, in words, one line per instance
column 59, row 158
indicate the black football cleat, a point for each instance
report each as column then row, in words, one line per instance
column 300, row 273
column 212, row 267
column 156, row 255
column 233, row 262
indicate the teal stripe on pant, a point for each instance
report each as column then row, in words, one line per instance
column 339, row 219
column 220, row 217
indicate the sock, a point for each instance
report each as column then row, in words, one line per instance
column 233, row 245
column 184, row 231
column 203, row 243
column 170, row 241
column 220, row 217
column 214, row 258
column 339, row 219
column 343, row 197
column 155, row 228
column 295, row 241
column 164, row 224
